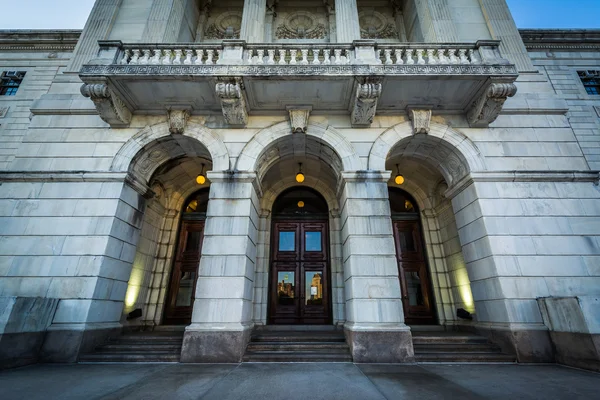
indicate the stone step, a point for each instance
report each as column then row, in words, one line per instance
column 465, row 357
column 148, row 339
column 130, row 347
column 298, row 337
column 129, row 357
column 279, row 347
column 448, row 339
column 456, row 347
column 301, row 328
column 297, row 356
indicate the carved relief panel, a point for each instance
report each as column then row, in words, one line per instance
column 300, row 20
column 381, row 20
column 220, row 20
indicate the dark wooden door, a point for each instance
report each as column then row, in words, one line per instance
column 414, row 278
column 180, row 299
column 299, row 283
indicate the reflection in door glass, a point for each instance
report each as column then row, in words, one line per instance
column 415, row 289
column 287, row 241
column 313, row 288
column 285, row 288
column 312, row 241
column 186, row 288
column 407, row 242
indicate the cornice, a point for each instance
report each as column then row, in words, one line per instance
column 38, row 40
column 561, row 39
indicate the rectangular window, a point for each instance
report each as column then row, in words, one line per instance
column 10, row 82
column 287, row 241
column 591, row 81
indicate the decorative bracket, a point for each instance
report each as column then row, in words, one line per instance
column 299, row 118
column 421, row 120
column 486, row 108
column 111, row 108
column 177, row 121
column 365, row 105
column 231, row 93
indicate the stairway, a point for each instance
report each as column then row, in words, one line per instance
column 297, row 344
column 456, row 347
column 157, row 346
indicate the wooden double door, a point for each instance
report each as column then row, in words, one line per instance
column 299, row 273
column 180, row 298
column 412, row 268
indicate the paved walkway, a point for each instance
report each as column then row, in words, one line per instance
column 298, row 381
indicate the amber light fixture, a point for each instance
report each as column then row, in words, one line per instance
column 300, row 175
column 300, row 204
column 399, row 178
column 201, row 179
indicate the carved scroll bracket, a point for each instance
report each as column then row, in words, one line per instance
column 487, row 107
column 178, row 121
column 111, row 108
column 299, row 118
column 365, row 104
column 231, row 93
column 421, row 120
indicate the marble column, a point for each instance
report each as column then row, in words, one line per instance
column 97, row 27
column 222, row 316
column 165, row 21
column 346, row 18
column 375, row 328
column 253, row 21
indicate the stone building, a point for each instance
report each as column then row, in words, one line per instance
column 199, row 163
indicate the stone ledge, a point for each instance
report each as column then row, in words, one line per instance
column 380, row 346
column 214, row 346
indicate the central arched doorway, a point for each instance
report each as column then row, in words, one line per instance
column 180, row 298
column 300, row 284
column 415, row 282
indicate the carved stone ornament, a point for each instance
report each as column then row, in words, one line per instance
column 301, row 25
column 177, row 121
column 486, row 108
column 226, row 26
column 375, row 25
column 232, row 101
column 111, row 108
column 3, row 111
column 365, row 105
column 421, row 120
column 299, row 118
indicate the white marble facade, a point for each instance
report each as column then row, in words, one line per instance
column 89, row 213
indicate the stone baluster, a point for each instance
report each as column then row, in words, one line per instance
column 338, row 56
column 462, row 53
column 316, row 53
column 155, row 60
column 346, row 20
column 125, row 59
column 453, row 59
column 178, row 57
column 210, row 57
column 282, row 53
column 431, row 57
column 388, row 56
column 250, row 56
column 409, row 57
column 261, row 56
column 253, row 21
column 146, row 58
column 199, row 57
column 304, row 53
column 293, row 57
column 219, row 56
column 167, row 58
column 135, row 58
column 473, row 56
column 420, row 59
column 442, row 56
column 326, row 56
column 188, row 57
column 398, row 54
column 271, row 59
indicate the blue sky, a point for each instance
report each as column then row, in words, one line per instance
column 71, row 14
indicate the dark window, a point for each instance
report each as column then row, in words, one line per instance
column 10, row 82
column 591, row 81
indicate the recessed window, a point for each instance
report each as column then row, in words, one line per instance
column 591, row 81
column 10, row 82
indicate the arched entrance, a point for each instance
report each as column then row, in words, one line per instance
column 299, row 268
column 184, row 274
column 415, row 282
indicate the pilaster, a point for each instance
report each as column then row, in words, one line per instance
column 375, row 327
column 164, row 22
column 346, row 18
column 222, row 316
column 98, row 27
column 253, row 21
